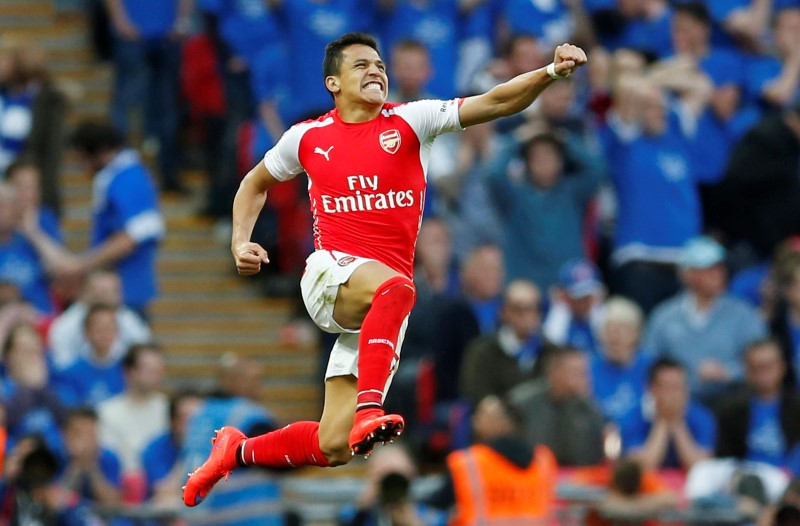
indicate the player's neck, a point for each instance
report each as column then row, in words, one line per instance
column 354, row 113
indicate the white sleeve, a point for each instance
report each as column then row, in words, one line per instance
column 430, row 118
column 282, row 160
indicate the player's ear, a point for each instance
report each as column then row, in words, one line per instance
column 332, row 84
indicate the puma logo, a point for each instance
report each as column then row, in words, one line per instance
column 326, row 153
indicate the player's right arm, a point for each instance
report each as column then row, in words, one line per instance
column 247, row 205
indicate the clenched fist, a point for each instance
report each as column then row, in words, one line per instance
column 567, row 59
column 249, row 257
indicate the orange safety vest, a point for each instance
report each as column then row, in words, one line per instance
column 492, row 491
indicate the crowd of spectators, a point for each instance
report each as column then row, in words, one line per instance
column 608, row 283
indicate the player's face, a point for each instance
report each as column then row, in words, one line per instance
column 363, row 76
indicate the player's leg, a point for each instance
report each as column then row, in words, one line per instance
column 337, row 419
column 377, row 299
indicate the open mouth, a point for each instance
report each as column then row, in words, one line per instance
column 373, row 86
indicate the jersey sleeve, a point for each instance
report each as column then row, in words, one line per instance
column 282, row 160
column 430, row 118
column 134, row 195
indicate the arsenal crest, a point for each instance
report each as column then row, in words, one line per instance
column 390, row 141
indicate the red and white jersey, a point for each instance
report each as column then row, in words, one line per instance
column 366, row 180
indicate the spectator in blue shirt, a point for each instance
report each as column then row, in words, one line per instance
column 92, row 380
column 20, row 261
column 670, row 430
column 704, row 328
column 761, row 424
column 90, row 471
column 642, row 25
column 575, row 311
column 648, row 150
column 146, row 59
column 163, row 473
column 619, row 372
column 127, row 224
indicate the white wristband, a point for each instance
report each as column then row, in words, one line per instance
column 551, row 70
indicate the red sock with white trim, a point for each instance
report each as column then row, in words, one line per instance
column 293, row 446
column 378, row 341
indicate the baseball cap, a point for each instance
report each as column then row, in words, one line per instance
column 579, row 278
column 702, row 252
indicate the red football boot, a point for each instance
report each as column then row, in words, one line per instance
column 220, row 463
column 374, row 427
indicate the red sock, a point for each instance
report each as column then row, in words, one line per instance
column 293, row 446
column 378, row 340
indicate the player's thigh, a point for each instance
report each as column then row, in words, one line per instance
column 354, row 297
column 337, row 414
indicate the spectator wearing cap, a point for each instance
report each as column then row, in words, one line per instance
column 542, row 204
column 495, row 364
column 574, row 315
column 703, row 327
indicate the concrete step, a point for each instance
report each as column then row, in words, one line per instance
column 252, row 349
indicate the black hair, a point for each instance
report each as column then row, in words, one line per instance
column 39, row 468
column 334, row 51
column 627, row 477
column 661, row 364
column 131, row 358
column 696, row 10
column 409, row 44
column 509, row 45
column 177, row 398
column 94, row 137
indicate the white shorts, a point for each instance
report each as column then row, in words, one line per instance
column 325, row 271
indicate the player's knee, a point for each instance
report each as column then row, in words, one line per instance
column 399, row 290
column 336, row 450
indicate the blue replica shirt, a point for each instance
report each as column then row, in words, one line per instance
column 618, row 388
column 710, row 156
column 699, row 420
column 433, row 24
column 765, row 439
column 549, row 20
column 487, row 313
column 581, row 336
column 158, row 458
column 746, row 284
column 481, row 21
column 125, row 199
column 658, row 205
column 49, row 223
column 20, row 265
column 247, row 26
column 310, row 25
column 153, row 18
column 86, row 383
column 645, row 35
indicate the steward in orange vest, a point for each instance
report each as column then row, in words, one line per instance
column 492, row 490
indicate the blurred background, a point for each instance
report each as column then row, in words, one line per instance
column 607, row 328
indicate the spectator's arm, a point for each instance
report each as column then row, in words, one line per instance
column 639, row 505
column 694, row 87
column 104, row 491
column 112, row 250
column 781, row 91
column 749, row 23
column 688, row 450
column 268, row 111
column 584, row 33
column 652, row 453
column 120, row 20
column 54, row 256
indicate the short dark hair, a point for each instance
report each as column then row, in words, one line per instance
column 762, row 342
column 96, row 308
column 555, row 356
column 627, row 477
column 334, row 51
column 135, row 351
column 696, row 10
column 93, row 137
column 661, row 364
column 81, row 412
column 409, row 44
column 177, row 399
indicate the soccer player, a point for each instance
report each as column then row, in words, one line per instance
column 366, row 162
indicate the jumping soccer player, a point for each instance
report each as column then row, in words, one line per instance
column 366, row 162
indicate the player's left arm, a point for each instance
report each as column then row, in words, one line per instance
column 518, row 93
